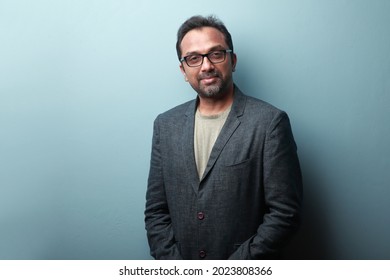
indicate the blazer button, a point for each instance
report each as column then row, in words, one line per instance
column 202, row 254
column 200, row 215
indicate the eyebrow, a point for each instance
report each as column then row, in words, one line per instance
column 215, row 48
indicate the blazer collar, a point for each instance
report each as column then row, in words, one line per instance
column 239, row 102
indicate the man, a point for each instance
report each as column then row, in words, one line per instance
column 224, row 179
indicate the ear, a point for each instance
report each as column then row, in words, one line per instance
column 183, row 71
column 234, row 61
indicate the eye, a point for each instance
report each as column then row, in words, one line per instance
column 217, row 55
column 193, row 58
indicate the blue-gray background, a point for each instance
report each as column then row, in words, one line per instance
column 82, row 81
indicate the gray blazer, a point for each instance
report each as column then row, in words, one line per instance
column 246, row 205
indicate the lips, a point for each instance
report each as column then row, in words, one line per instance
column 209, row 79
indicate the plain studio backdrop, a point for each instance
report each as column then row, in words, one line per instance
column 82, row 81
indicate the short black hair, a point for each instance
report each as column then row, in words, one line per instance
column 197, row 22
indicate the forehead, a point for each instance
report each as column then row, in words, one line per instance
column 202, row 40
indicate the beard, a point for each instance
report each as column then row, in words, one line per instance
column 216, row 89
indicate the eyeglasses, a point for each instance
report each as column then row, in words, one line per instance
column 195, row 60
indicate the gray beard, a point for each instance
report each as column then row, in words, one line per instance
column 216, row 90
column 211, row 91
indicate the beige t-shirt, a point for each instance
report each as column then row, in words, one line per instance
column 207, row 129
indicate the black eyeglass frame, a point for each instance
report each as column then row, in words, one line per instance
column 206, row 55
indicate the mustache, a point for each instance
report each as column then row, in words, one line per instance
column 208, row 75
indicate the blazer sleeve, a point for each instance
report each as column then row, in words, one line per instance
column 282, row 183
column 157, row 218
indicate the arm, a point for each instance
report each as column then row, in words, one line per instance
column 157, row 218
column 282, row 194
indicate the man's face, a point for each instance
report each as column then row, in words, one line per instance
column 208, row 80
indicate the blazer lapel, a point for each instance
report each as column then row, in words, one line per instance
column 188, row 146
column 231, row 124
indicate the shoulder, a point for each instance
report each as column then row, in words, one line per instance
column 177, row 113
column 254, row 109
column 259, row 115
column 254, row 103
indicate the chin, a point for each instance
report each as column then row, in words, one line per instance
column 211, row 92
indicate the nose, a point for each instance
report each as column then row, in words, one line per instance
column 206, row 65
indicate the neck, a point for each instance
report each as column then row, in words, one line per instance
column 209, row 106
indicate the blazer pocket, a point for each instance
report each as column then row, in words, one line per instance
column 234, row 176
column 238, row 164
